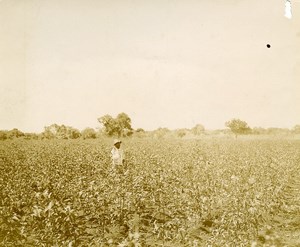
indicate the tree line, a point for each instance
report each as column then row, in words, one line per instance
column 120, row 126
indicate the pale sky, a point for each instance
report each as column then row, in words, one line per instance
column 166, row 63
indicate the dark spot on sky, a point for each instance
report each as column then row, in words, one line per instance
column 268, row 45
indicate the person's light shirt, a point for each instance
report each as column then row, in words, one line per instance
column 117, row 156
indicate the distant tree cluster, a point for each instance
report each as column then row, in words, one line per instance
column 238, row 127
column 15, row 133
column 198, row 130
column 56, row 131
column 272, row 131
column 11, row 134
column 88, row 133
column 60, row 132
column 119, row 126
column 181, row 132
column 161, row 132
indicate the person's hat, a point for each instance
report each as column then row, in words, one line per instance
column 117, row 141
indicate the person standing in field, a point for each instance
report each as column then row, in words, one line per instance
column 117, row 154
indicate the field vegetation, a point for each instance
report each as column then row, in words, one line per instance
column 212, row 192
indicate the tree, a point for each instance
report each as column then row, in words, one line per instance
column 108, row 123
column 31, row 136
column 161, row 132
column 119, row 126
column 60, row 132
column 48, row 133
column 180, row 133
column 88, row 133
column 238, row 127
column 14, row 133
column 73, row 133
column 198, row 129
column 3, row 135
column 124, row 125
column 139, row 132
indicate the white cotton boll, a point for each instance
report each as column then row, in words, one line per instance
column 288, row 9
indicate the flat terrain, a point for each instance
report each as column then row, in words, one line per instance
column 286, row 224
column 213, row 192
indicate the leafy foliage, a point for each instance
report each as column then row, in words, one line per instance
column 181, row 133
column 14, row 133
column 11, row 134
column 60, row 132
column 3, row 135
column 238, row 126
column 198, row 129
column 161, row 132
column 119, row 126
column 88, row 133
column 175, row 193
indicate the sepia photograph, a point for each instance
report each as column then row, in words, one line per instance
column 146, row 123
